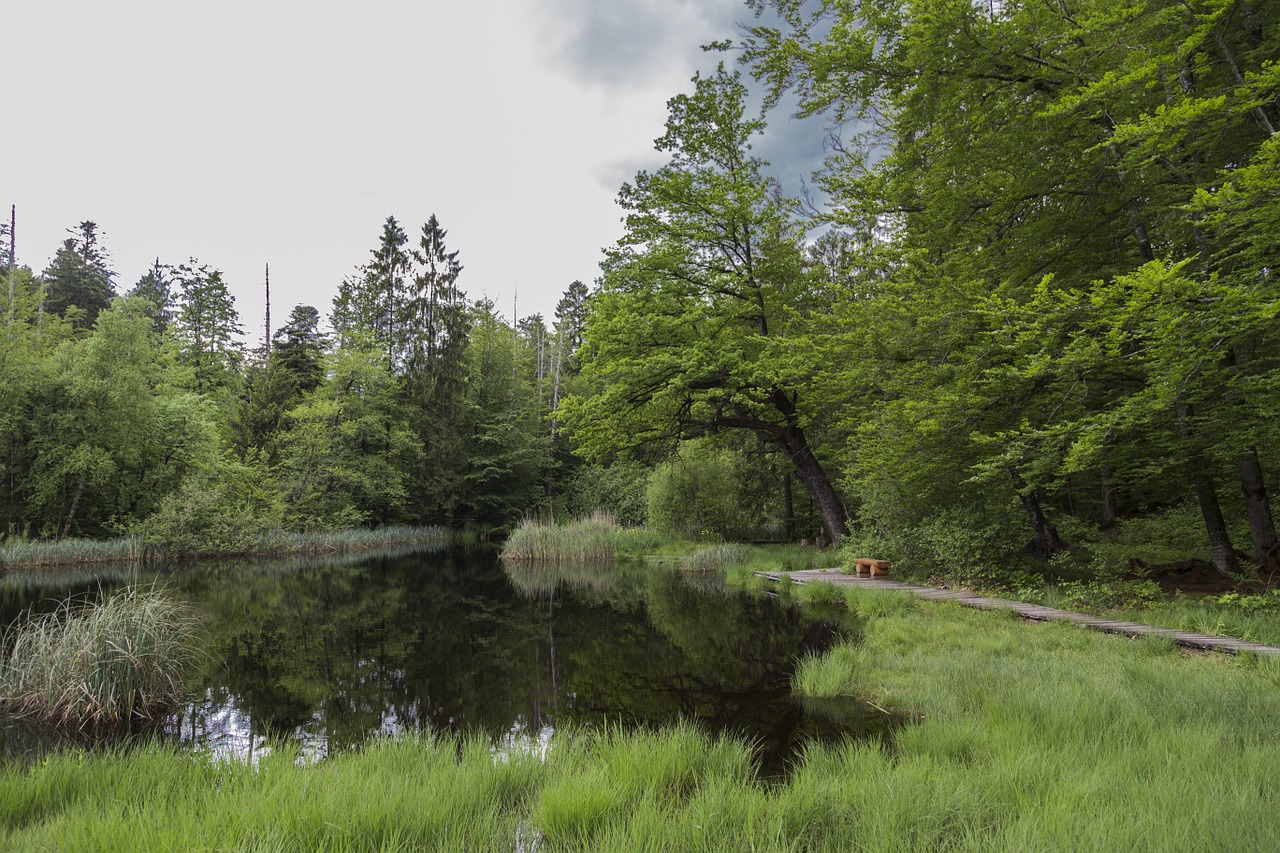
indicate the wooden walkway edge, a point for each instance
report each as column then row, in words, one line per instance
column 1188, row 639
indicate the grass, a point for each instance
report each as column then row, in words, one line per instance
column 594, row 538
column 1206, row 616
column 20, row 553
column 99, row 666
column 70, row 552
column 1022, row 737
column 717, row 557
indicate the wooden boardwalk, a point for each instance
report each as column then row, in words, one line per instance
column 1189, row 639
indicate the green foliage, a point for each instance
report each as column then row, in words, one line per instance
column 695, row 494
column 699, row 321
column 99, row 666
column 621, row 489
column 225, row 510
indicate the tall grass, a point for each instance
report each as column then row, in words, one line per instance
column 717, row 557
column 18, row 553
column 70, row 552
column 593, row 538
column 99, row 666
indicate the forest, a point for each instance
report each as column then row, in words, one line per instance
column 1031, row 320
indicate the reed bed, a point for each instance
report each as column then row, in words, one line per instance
column 717, row 557
column 133, row 549
column 70, row 552
column 594, row 538
column 354, row 540
column 95, row 667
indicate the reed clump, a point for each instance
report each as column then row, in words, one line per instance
column 593, row 538
column 95, row 667
column 717, row 557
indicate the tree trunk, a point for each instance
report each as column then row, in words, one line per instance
column 1109, row 514
column 75, row 504
column 13, row 266
column 816, row 483
column 1045, row 539
column 788, row 508
column 1262, row 527
column 1221, row 552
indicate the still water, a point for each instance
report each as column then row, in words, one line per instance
column 330, row 653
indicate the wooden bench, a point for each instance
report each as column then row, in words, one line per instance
column 873, row 568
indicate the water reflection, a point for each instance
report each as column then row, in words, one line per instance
column 327, row 653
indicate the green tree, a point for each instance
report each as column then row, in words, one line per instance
column 371, row 302
column 1019, row 158
column 156, row 287
column 701, row 313
column 207, row 325
column 436, row 326
column 506, row 441
column 108, row 438
column 78, row 277
column 347, row 449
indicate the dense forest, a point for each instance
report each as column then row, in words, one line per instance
column 1034, row 311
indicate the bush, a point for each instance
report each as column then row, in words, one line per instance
column 220, row 511
column 100, row 665
column 619, row 489
column 695, row 493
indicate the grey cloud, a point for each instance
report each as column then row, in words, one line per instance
column 620, row 42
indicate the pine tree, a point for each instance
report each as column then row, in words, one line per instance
column 207, row 324
column 78, row 277
column 156, row 287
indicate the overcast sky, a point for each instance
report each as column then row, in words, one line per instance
column 273, row 131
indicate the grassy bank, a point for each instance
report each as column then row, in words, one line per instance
column 1025, row 737
column 18, row 553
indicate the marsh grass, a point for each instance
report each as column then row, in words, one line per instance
column 70, row 552
column 90, row 667
column 594, row 538
column 870, row 602
column 717, row 557
column 19, row 553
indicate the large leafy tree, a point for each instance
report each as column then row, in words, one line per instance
column 695, row 325
column 1022, row 157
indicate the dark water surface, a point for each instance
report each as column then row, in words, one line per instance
column 331, row 653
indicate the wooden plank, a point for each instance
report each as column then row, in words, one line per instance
column 1037, row 612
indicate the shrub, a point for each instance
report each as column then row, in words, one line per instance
column 95, row 666
column 618, row 489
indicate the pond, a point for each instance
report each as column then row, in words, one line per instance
column 330, row 653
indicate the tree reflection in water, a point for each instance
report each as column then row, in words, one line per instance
column 330, row 653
